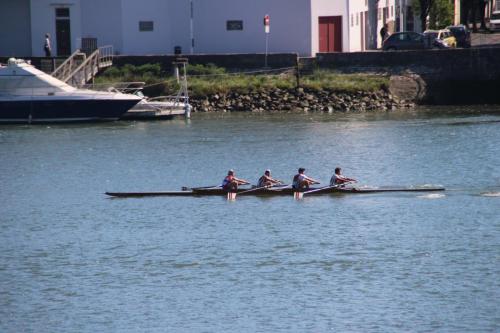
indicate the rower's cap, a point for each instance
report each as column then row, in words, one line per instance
column 230, row 172
column 302, row 169
column 267, row 170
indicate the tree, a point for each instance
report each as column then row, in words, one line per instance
column 471, row 11
column 439, row 13
column 372, row 24
column 423, row 8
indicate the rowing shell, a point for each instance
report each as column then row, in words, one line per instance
column 274, row 192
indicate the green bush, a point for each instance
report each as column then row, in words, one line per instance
column 208, row 69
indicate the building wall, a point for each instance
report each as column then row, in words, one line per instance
column 294, row 25
column 179, row 22
column 390, row 17
column 43, row 20
column 328, row 8
column 15, row 28
column 289, row 26
column 357, row 9
column 137, row 42
column 103, row 20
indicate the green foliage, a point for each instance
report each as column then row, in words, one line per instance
column 147, row 73
column 441, row 14
column 208, row 69
column 327, row 80
column 209, row 79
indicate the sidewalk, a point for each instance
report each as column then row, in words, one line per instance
column 485, row 39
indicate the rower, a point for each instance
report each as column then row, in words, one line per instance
column 230, row 182
column 338, row 179
column 266, row 180
column 300, row 180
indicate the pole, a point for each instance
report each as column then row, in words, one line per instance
column 191, row 25
column 297, row 72
column 267, row 46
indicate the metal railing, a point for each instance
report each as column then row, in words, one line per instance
column 63, row 71
column 106, row 55
column 79, row 68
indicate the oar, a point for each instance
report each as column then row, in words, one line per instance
column 184, row 188
column 261, row 188
column 325, row 188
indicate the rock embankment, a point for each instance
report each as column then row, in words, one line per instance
column 299, row 100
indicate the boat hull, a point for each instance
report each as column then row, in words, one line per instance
column 63, row 110
column 275, row 192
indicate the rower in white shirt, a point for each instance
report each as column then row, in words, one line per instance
column 338, row 179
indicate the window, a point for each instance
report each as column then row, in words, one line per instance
column 146, row 25
column 234, row 25
column 62, row 12
column 392, row 11
column 357, row 18
column 366, row 3
column 379, row 13
column 352, row 20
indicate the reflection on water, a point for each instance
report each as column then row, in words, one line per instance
column 73, row 260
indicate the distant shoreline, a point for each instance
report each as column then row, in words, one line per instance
column 213, row 89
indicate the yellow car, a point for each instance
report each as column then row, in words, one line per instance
column 447, row 38
column 441, row 39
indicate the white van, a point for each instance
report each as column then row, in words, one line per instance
column 495, row 21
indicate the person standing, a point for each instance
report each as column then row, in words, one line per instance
column 46, row 46
column 384, row 32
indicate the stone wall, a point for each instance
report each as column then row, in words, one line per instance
column 299, row 100
column 472, row 63
column 230, row 61
column 453, row 76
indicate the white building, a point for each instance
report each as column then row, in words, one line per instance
column 197, row 26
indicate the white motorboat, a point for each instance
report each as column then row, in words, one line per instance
column 30, row 95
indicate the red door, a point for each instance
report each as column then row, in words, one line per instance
column 330, row 34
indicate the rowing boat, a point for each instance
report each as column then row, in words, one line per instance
column 278, row 191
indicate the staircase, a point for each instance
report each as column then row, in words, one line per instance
column 80, row 69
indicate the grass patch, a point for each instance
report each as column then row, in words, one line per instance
column 210, row 79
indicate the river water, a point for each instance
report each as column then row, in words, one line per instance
column 73, row 260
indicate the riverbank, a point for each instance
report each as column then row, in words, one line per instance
column 299, row 100
column 213, row 89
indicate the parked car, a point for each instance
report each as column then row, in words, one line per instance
column 408, row 40
column 441, row 39
column 461, row 34
column 495, row 21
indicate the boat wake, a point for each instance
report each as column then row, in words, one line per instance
column 432, row 196
column 490, row 194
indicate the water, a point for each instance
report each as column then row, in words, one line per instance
column 72, row 260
